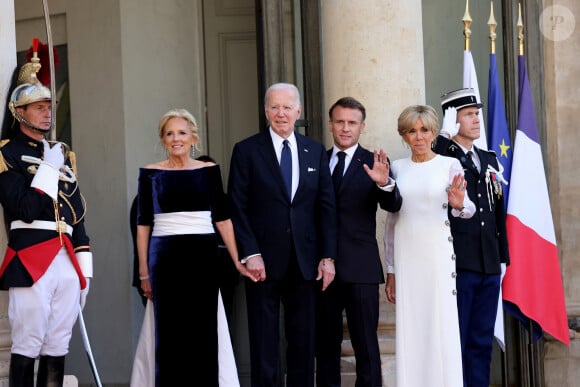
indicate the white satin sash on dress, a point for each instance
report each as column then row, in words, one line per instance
column 179, row 223
column 143, row 373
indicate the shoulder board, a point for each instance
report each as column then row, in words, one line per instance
column 452, row 147
column 3, row 166
column 490, row 151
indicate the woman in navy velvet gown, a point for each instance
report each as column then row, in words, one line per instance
column 178, row 199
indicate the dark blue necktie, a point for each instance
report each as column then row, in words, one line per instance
column 471, row 161
column 286, row 167
column 338, row 171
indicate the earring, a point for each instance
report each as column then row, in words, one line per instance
column 193, row 151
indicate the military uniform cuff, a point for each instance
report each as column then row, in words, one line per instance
column 85, row 260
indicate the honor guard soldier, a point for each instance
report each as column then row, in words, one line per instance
column 480, row 242
column 48, row 262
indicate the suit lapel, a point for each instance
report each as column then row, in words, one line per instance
column 355, row 165
column 482, row 162
column 304, row 161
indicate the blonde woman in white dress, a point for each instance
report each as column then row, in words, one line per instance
column 420, row 259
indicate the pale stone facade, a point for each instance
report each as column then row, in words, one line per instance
column 114, row 125
column 562, row 71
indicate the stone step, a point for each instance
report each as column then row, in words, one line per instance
column 69, row 381
column 348, row 373
column 387, row 348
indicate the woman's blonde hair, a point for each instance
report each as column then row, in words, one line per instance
column 411, row 114
column 187, row 116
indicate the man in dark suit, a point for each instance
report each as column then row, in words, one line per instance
column 284, row 215
column 480, row 242
column 362, row 184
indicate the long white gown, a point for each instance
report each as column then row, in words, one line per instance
column 428, row 349
column 143, row 373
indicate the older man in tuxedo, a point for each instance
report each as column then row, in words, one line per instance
column 284, row 215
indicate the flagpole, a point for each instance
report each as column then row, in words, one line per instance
column 531, row 340
column 492, row 26
column 470, row 76
column 492, row 23
column 466, row 27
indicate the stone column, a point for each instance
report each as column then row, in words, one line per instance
column 7, row 66
column 559, row 26
column 374, row 53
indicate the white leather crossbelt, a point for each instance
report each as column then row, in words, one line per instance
column 41, row 225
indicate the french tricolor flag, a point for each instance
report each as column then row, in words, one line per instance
column 532, row 287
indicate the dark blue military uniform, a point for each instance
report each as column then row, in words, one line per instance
column 480, row 242
column 480, row 245
column 31, row 250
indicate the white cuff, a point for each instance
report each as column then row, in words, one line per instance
column 85, row 260
column 457, row 213
column 390, row 186
column 244, row 260
column 46, row 180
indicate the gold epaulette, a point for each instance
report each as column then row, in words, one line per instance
column 73, row 162
column 3, row 166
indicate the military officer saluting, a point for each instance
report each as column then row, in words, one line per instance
column 48, row 263
column 480, row 243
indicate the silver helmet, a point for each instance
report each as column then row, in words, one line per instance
column 25, row 94
column 29, row 90
column 28, row 93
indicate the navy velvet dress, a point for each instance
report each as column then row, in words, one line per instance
column 183, row 268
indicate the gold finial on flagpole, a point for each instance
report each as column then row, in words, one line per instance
column 492, row 26
column 520, row 30
column 466, row 24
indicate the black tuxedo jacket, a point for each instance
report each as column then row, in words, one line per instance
column 266, row 222
column 480, row 242
column 357, row 200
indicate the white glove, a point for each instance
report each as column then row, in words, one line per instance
column 450, row 125
column 503, row 269
column 54, row 155
column 85, row 292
